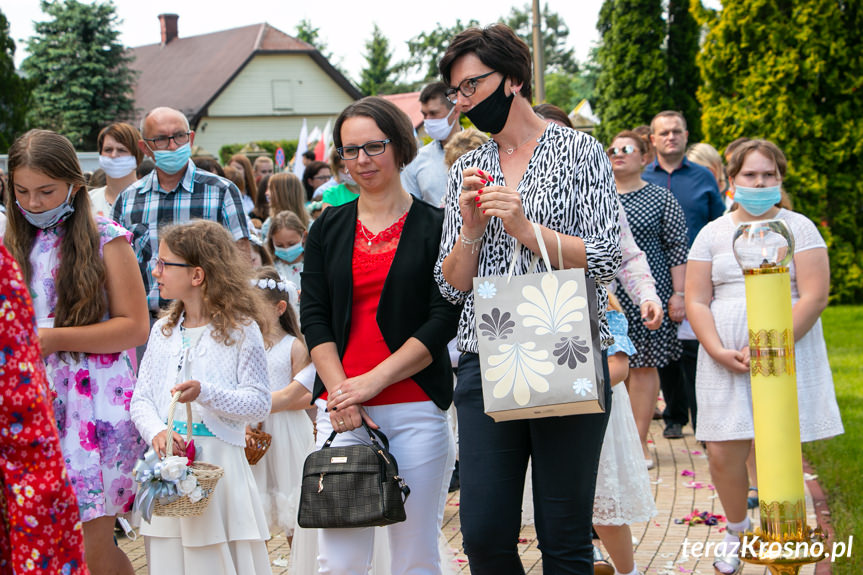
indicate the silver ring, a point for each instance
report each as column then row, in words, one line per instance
column 339, row 392
column 341, row 422
column 464, row 189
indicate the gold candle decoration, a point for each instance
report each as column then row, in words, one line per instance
column 764, row 250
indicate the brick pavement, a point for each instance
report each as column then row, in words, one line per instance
column 658, row 547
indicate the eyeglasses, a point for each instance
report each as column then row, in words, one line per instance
column 162, row 142
column 372, row 148
column 327, row 176
column 466, row 88
column 160, row 265
column 627, row 149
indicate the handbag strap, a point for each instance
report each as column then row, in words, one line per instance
column 535, row 259
column 170, row 447
column 372, row 433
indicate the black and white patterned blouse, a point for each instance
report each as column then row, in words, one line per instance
column 568, row 187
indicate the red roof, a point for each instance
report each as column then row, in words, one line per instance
column 189, row 73
column 409, row 104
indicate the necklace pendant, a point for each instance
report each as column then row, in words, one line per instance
column 509, row 151
column 370, row 242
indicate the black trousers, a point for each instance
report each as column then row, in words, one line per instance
column 493, row 457
column 677, row 380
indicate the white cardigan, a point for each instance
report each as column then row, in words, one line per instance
column 235, row 388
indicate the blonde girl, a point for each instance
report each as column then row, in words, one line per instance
column 89, row 304
column 286, row 242
column 285, row 193
column 279, row 472
column 209, row 348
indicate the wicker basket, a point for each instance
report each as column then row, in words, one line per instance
column 206, row 473
column 260, row 440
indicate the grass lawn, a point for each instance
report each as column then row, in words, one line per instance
column 839, row 461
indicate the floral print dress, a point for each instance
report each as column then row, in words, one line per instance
column 40, row 531
column 100, row 444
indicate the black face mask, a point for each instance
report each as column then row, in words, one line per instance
column 491, row 114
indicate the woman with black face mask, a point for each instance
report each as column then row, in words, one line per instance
column 529, row 172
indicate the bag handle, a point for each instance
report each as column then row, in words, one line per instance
column 170, row 447
column 535, row 259
column 371, row 432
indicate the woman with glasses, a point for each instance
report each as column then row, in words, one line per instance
column 530, row 171
column 377, row 329
column 659, row 228
column 89, row 303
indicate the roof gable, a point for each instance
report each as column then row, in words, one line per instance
column 189, row 73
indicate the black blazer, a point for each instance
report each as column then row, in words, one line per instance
column 410, row 306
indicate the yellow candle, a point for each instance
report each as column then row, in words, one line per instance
column 778, row 455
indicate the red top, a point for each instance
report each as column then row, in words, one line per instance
column 373, row 255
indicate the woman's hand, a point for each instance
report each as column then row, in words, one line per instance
column 46, row 341
column 160, row 443
column 473, row 220
column 732, row 360
column 651, row 315
column 354, row 391
column 505, row 203
column 189, row 390
column 350, row 418
column 676, row 308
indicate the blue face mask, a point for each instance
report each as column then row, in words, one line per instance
column 289, row 254
column 757, row 201
column 172, row 161
column 49, row 218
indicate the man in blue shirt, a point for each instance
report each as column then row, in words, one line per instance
column 426, row 176
column 696, row 190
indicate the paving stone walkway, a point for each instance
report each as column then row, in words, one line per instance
column 658, row 550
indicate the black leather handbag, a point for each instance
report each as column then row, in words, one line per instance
column 352, row 486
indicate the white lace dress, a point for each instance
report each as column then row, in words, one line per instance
column 725, row 398
column 622, row 494
column 280, row 471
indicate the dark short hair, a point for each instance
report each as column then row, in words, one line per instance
column 309, row 154
column 552, row 112
column 391, row 121
column 125, row 134
column 435, row 90
column 668, row 114
column 498, row 47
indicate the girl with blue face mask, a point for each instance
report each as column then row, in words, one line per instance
column 286, row 239
column 716, row 308
column 89, row 305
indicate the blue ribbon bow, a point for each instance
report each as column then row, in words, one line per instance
column 151, row 486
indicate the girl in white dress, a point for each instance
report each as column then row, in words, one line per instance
column 716, row 308
column 279, row 473
column 622, row 494
column 209, row 348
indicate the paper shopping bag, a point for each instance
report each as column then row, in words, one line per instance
column 539, row 346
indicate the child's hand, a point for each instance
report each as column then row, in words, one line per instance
column 160, row 443
column 46, row 341
column 732, row 360
column 189, row 390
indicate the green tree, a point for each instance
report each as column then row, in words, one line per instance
column 631, row 87
column 378, row 77
column 427, row 48
column 556, row 56
column 792, row 72
column 14, row 90
column 683, row 77
column 80, row 71
column 312, row 35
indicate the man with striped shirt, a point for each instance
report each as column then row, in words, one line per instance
column 175, row 192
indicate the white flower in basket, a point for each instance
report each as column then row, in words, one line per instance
column 172, row 486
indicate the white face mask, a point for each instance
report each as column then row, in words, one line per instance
column 118, row 167
column 439, row 128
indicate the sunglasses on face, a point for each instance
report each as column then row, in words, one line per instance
column 626, row 150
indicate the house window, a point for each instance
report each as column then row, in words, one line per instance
column 283, row 95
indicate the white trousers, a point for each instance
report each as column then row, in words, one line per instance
column 421, row 441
